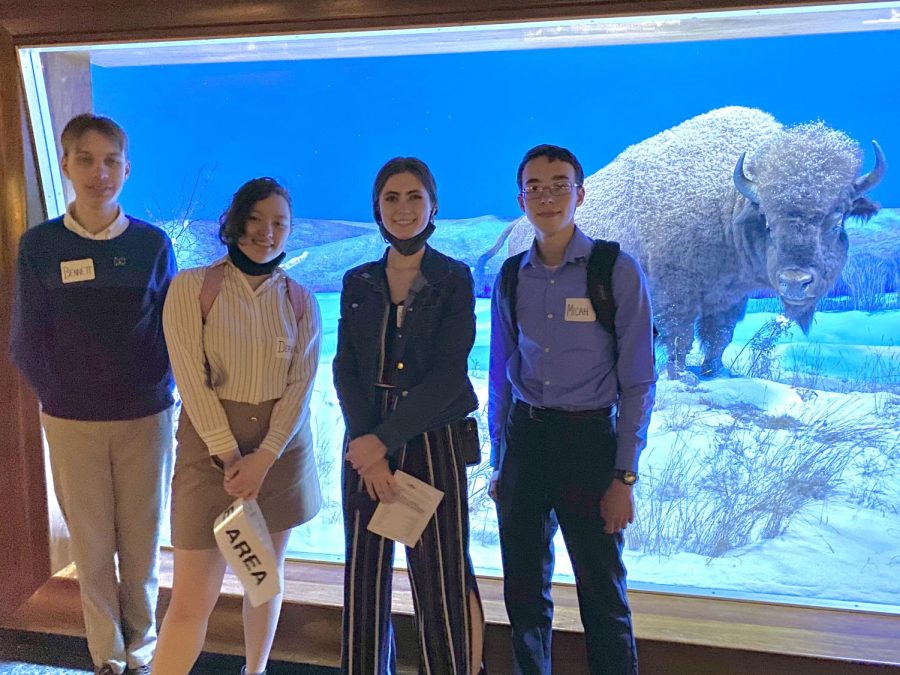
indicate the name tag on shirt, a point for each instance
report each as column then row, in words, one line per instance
column 73, row 271
column 579, row 309
column 284, row 348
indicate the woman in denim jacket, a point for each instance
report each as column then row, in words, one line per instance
column 407, row 326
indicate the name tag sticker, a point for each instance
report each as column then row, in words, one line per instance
column 579, row 309
column 73, row 271
column 284, row 348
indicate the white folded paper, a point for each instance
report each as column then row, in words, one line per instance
column 245, row 542
column 405, row 518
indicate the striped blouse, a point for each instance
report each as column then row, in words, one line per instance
column 256, row 349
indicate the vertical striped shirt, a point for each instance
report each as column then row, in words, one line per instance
column 256, row 349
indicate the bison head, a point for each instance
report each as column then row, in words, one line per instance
column 805, row 184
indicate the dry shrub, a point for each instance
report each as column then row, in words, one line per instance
column 727, row 486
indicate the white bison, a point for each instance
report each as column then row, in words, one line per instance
column 722, row 205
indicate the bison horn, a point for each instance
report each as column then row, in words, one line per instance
column 743, row 184
column 865, row 183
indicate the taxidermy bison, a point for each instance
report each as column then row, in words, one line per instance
column 723, row 205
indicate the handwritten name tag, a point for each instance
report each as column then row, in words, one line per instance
column 579, row 309
column 73, row 271
column 284, row 348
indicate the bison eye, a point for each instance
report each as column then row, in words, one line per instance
column 835, row 220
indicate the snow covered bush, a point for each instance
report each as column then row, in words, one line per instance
column 866, row 278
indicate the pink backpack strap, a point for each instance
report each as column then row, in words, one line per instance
column 296, row 296
column 209, row 291
column 212, row 284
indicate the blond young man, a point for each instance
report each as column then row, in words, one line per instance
column 87, row 335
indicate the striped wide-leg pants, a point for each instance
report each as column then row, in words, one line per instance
column 440, row 569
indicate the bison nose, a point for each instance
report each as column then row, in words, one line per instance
column 794, row 283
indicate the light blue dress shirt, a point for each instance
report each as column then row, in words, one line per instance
column 563, row 363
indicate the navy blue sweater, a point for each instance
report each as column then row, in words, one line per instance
column 93, row 349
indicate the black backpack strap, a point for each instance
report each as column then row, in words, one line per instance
column 599, row 282
column 509, row 284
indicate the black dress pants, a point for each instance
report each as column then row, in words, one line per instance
column 554, row 472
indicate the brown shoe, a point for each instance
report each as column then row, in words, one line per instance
column 105, row 669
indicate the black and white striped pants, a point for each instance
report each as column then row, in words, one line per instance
column 440, row 569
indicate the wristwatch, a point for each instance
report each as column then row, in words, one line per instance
column 627, row 477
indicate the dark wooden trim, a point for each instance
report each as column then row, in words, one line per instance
column 23, row 499
column 23, row 496
column 73, row 21
column 676, row 635
column 67, row 76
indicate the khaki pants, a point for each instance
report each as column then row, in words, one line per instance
column 112, row 481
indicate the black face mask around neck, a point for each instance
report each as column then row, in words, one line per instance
column 407, row 246
column 251, row 267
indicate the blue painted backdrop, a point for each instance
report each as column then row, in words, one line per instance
column 325, row 126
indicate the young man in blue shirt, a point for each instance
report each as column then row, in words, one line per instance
column 569, row 409
column 87, row 334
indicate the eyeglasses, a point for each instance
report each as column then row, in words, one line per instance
column 556, row 189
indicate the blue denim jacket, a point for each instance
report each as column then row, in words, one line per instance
column 430, row 352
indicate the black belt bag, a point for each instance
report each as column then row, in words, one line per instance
column 467, row 430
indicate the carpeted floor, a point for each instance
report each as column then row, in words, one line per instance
column 38, row 654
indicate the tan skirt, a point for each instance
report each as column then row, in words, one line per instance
column 290, row 494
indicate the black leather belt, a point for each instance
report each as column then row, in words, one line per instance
column 536, row 412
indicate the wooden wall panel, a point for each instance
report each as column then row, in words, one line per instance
column 67, row 21
column 68, row 79
column 24, row 557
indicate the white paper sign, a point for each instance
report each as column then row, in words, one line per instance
column 244, row 540
column 405, row 518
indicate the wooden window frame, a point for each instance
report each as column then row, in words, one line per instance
column 25, row 526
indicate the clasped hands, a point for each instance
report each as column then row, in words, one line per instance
column 244, row 475
column 368, row 455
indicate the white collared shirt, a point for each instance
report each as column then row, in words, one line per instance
column 113, row 230
column 257, row 352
